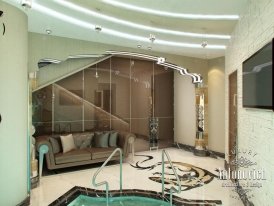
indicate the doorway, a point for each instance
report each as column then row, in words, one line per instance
column 233, row 119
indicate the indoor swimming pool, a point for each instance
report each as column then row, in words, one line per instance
column 83, row 200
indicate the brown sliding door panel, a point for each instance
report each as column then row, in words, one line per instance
column 232, row 119
column 141, row 97
column 97, row 95
column 120, row 93
column 163, row 101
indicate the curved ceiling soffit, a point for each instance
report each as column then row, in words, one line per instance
column 84, row 24
column 196, row 78
column 89, row 12
column 150, row 11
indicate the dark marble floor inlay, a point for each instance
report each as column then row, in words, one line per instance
column 73, row 193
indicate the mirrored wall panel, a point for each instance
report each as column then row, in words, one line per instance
column 115, row 94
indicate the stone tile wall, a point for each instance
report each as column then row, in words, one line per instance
column 255, row 126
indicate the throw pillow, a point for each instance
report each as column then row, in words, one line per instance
column 86, row 142
column 56, row 144
column 101, row 139
column 78, row 139
column 83, row 140
column 113, row 139
column 67, row 143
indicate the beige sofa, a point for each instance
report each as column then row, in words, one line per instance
column 88, row 155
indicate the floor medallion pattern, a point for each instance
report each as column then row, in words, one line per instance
column 190, row 175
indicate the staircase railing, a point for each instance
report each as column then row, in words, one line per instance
column 172, row 189
column 101, row 168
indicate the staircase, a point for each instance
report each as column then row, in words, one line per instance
column 55, row 72
column 106, row 120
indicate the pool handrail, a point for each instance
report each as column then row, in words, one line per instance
column 172, row 189
column 100, row 169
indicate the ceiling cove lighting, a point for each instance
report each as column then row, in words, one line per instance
column 137, row 26
column 87, row 25
column 196, row 78
column 170, row 14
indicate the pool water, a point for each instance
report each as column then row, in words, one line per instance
column 83, row 200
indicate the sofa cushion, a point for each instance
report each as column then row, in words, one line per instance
column 98, row 153
column 72, row 156
column 67, row 143
column 101, row 139
column 112, row 142
column 83, row 140
column 56, row 144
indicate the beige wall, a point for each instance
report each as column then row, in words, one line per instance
column 184, row 106
column 216, row 105
column 184, row 110
column 255, row 126
column 13, row 107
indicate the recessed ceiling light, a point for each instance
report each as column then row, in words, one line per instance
column 111, row 32
column 138, row 26
column 98, row 28
column 139, row 46
column 149, row 48
column 26, row 4
column 170, row 14
column 48, row 31
column 152, row 37
column 204, row 44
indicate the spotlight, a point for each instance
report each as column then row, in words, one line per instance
column 161, row 60
column 26, row 4
column 204, row 44
column 48, row 31
column 152, row 38
column 98, row 28
column 139, row 46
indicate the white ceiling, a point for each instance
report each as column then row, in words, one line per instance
column 40, row 19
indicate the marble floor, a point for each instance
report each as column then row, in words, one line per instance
column 142, row 172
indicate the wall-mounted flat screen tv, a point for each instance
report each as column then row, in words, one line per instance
column 258, row 79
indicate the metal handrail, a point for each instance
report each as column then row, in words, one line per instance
column 100, row 169
column 172, row 189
